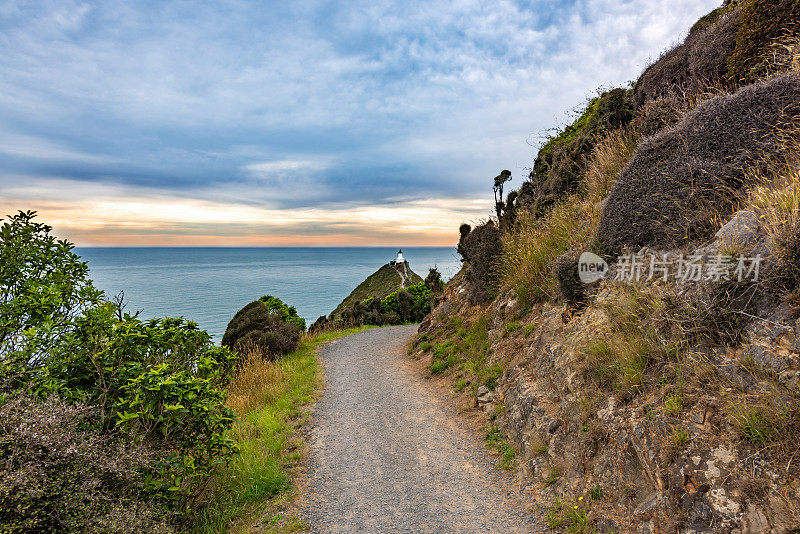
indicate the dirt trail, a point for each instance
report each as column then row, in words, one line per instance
column 385, row 455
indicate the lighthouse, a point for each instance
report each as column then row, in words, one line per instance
column 400, row 259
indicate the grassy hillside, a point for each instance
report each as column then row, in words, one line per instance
column 378, row 285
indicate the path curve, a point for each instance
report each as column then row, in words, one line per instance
column 386, row 456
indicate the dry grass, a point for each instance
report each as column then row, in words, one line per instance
column 257, row 383
column 530, row 250
column 777, row 202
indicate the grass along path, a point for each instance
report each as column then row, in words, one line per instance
column 268, row 398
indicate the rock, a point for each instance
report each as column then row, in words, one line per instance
column 551, row 425
column 648, row 504
column 754, row 522
column 606, row 525
column 485, row 395
column 744, row 230
column 701, row 514
column 646, row 528
column 698, row 416
column 768, row 360
column 730, row 371
column 791, row 379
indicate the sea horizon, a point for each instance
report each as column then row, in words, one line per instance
column 209, row 284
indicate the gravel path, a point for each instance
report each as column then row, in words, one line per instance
column 387, row 456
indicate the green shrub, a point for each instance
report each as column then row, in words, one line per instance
column 45, row 287
column 434, row 280
column 138, row 378
column 481, row 249
column 183, row 416
column 255, row 327
column 288, row 314
column 563, row 159
column 684, row 178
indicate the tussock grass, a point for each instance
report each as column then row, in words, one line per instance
column 267, row 397
column 531, row 249
column 630, row 343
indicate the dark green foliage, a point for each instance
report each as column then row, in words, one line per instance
column 254, row 327
column 562, row 160
column 658, row 115
column 763, row 23
column 700, row 61
column 680, row 179
column 60, row 338
column 320, row 325
column 499, row 182
column 288, row 314
column 43, row 287
column 434, row 280
column 565, row 270
column 58, row 473
column 481, row 249
column 408, row 305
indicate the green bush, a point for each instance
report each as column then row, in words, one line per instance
column 288, row 314
column 139, row 378
column 254, row 327
column 44, row 288
column 563, row 159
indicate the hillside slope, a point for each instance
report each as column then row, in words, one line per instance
column 378, row 285
column 663, row 396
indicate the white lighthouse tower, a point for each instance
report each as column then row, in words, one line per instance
column 400, row 259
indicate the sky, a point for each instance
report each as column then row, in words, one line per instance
column 243, row 123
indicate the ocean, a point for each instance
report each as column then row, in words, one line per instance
column 209, row 285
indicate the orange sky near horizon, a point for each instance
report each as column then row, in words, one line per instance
column 142, row 220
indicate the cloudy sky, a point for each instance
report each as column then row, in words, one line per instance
column 237, row 122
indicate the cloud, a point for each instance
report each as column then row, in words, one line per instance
column 287, row 105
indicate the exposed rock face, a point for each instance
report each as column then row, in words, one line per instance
column 571, row 439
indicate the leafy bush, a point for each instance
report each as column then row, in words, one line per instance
column 481, row 249
column 682, row 178
column 434, row 280
column 58, row 473
column 288, row 314
column 254, row 327
column 157, row 384
column 44, row 287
